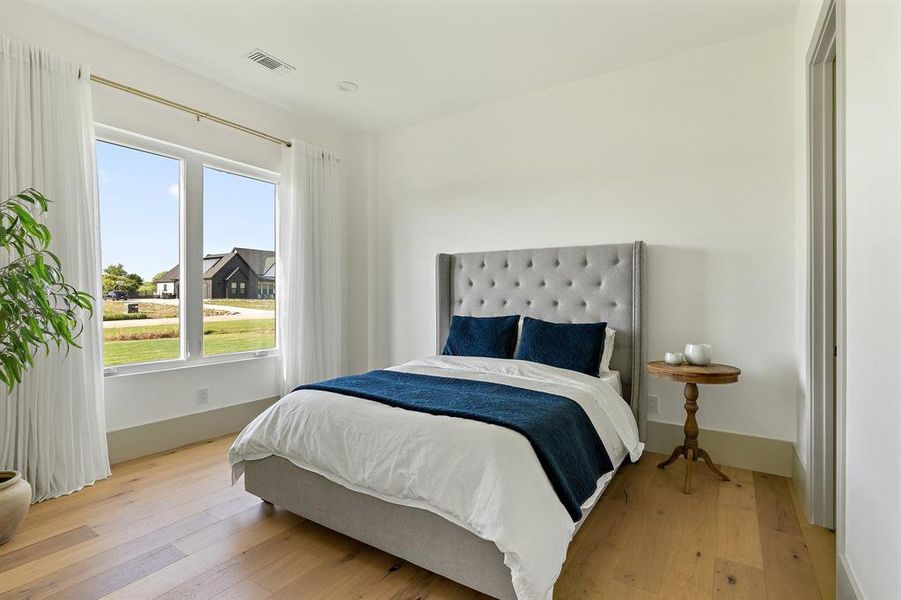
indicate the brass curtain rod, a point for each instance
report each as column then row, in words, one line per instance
column 197, row 113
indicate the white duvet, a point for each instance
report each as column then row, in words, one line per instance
column 482, row 477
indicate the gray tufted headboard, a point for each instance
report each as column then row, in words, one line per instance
column 581, row 284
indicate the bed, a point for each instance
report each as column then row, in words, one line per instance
column 471, row 530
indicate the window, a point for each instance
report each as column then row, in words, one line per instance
column 188, row 248
column 139, row 228
column 238, row 247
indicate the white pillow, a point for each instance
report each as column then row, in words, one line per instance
column 609, row 336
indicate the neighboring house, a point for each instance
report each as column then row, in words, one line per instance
column 241, row 273
column 168, row 288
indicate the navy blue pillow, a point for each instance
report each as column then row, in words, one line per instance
column 491, row 337
column 573, row 346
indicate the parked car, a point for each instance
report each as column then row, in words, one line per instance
column 117, row 295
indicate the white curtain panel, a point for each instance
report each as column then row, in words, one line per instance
column 310, row 274
column 52, row 426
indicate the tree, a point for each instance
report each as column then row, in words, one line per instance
column 116, row 278
column 158, row 276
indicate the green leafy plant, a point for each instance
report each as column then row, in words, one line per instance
column 38, row 309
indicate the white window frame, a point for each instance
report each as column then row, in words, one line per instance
column 190, row 247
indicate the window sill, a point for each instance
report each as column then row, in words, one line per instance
column 183, row 363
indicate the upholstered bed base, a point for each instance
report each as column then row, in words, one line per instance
column 415, row 535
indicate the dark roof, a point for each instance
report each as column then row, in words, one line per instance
column 171, row 275
column 269, row 275
column 259, row 261
column 210, row 260
column 220, row 264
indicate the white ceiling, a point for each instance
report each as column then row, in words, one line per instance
column 415, row 60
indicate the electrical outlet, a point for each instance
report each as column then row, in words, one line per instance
column 652, row 405
column 203, row 396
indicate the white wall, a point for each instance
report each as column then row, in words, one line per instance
column 869, row 544
column 137, row 399
column 692, row 153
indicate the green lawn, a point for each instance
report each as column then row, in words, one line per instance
column 220, row 337
column 135, row 351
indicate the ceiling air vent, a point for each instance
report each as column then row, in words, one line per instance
column 269, row 61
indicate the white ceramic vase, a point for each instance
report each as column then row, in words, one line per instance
column 673, row 358
column 15, row 498
column 698, row 354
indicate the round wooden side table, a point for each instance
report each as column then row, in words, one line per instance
column 691, row 376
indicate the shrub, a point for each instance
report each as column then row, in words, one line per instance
column 125, row 316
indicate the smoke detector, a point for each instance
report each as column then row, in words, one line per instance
column 270, row 62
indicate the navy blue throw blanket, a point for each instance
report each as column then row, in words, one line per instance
column 565, row 441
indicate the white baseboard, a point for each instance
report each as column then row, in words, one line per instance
column 142, row 440
column 846, row 587
column 732, row 449
column 799, row 479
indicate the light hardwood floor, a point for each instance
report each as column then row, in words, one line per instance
column 170, row 526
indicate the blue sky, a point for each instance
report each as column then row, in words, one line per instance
column 139, row 210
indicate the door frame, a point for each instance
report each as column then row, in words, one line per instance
column 825, row 266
